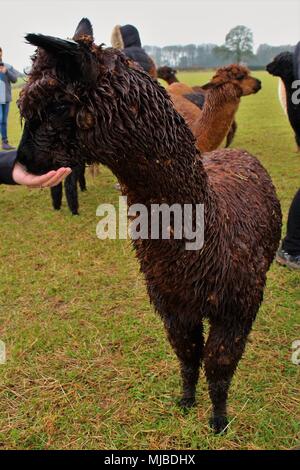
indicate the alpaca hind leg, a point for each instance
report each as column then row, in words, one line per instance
column 188, row 343
column 223, row 350
column 231, row 134
column 56, row 196
column 72, row 193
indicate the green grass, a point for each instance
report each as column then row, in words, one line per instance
column 88, row 363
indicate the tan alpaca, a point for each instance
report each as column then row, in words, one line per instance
column 211, row 124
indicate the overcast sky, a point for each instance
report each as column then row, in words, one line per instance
column 161, row 22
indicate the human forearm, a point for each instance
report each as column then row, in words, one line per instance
column 7, row 162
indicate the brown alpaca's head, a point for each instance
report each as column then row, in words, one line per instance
column 167, row 73
column 86, row 104
column 237, row 75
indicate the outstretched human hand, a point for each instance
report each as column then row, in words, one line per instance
column 52, row 178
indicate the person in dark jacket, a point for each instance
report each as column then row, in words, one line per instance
column 289, row 252
column 12, row 172
column 8, row 75
column 127, row 39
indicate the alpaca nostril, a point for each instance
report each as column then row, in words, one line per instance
column 258, row 85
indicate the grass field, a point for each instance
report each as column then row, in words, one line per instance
column 88, row 365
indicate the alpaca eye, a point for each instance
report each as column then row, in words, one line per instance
column 58, row 109
column 240, row 77
column 61, row 108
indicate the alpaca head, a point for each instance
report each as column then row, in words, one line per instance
column 282, row 66
column 86, row 104
column 167, row 73
column 237, row 75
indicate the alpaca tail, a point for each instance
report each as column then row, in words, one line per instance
column 94, row 170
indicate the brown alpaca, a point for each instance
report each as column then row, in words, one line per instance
column 212, row 124
column 169, row 75
column 83, row 103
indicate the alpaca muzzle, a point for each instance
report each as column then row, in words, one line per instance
column 257, row 86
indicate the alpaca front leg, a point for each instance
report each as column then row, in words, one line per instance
column 231, row 134
column 223, row 350
column 188, row 344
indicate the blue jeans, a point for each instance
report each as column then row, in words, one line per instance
column 4, row 108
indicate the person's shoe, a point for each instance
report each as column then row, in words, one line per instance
column 7, row 146
column 283, row 258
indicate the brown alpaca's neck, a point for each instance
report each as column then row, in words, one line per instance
column 172, row 80
column 221, row 104
column 156, row 158
column 169, row 179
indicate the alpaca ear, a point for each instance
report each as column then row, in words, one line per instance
column 74, row 60
column 53, row 44
column 84, row 28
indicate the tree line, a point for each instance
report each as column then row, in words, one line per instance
column 238, row 47
column 207, row 55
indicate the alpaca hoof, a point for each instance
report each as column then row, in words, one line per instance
column 83, row 190
column 218, row 424
column 56, row 208
column 75, row 213
column 187, row 403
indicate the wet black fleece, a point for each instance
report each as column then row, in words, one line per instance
column 133, row 46
column 7, row 162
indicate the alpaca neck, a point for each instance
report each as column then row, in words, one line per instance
column 172, row 80
column 218, row 113
column 151, row 151
column 171, row 178
column 175, row 184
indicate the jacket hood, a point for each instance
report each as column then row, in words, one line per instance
column 125, row 36
column 296, row 62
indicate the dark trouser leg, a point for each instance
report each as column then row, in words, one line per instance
column 71, row 192
column 187, row 343
column 4, row 108
column 56, row 195
column 297, row 138
column 81, row 177
column 291, row 243
column 223, row 350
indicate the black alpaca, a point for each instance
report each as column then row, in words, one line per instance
column 283, row 66
column 77, row 176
